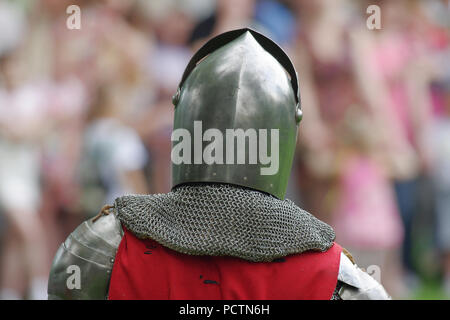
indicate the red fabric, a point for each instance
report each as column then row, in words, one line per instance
column 144, row 269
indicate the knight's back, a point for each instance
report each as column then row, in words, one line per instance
column 113, row 263
column 225, row 230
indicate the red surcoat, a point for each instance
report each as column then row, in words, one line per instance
column 144, row 269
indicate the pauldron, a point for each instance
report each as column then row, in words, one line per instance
column 83, row 264
column 355, row 284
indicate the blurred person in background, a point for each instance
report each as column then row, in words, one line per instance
column 23, row 271
column 165, row 62
column 58, row 61
column 394, row 77
column 114, row 156
column 366, row 215
column 24, row 253
column 227, row 15
column 323, row 55
column 272, row 17
column 440, row 141
column 342, row 175
column 434, row 75
column 113, row 88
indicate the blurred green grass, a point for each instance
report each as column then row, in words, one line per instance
column 429, row 290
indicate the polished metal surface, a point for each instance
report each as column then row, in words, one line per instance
column 91, row 248
column 357, row 284
column 239, row 85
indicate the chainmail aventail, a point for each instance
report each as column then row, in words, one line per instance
column 224, row 220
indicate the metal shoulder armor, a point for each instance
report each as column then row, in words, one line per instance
column 83, row 264
column 357, row 284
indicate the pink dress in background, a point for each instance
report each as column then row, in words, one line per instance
column 390, row 59
column 366, row 214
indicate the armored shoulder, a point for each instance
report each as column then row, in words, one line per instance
column 82, row 265
column 355, row 284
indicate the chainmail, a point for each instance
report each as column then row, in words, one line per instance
column 336, row 295
column 224, row 220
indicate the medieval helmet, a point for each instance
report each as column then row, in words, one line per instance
column 237, row 111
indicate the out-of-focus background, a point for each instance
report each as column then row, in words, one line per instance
column 86, row 116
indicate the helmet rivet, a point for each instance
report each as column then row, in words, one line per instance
column 176, row 97
column 298, row 115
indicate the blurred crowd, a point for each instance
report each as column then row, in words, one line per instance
column 86, row 116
